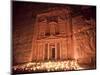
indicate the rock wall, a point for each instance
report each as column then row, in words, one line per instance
column 84, row 36
column 22, row 42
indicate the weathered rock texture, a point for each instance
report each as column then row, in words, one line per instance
column 54, row 33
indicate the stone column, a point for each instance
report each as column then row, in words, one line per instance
column 60, row 50
column 56, row 51
column 37, row 53
column 43, row 51
column 48, row 51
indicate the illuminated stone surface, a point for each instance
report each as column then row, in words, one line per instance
column 58, row 35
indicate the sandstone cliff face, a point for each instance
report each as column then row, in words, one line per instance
column 22, row 42
column 84, row 38
column 22, row 38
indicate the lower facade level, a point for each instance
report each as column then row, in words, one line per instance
column 52, row 49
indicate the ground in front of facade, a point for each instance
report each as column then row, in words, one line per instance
column 51, row 66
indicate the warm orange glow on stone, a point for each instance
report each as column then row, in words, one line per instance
column 59, row 39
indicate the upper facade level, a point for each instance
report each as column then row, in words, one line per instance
column 53, row 22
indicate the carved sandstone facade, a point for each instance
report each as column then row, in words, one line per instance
column 59, row 36
column 55, row 37
column 52, row 38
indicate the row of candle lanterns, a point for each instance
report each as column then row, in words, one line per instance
column 48, row 66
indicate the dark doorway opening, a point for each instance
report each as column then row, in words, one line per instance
column 53, row 53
